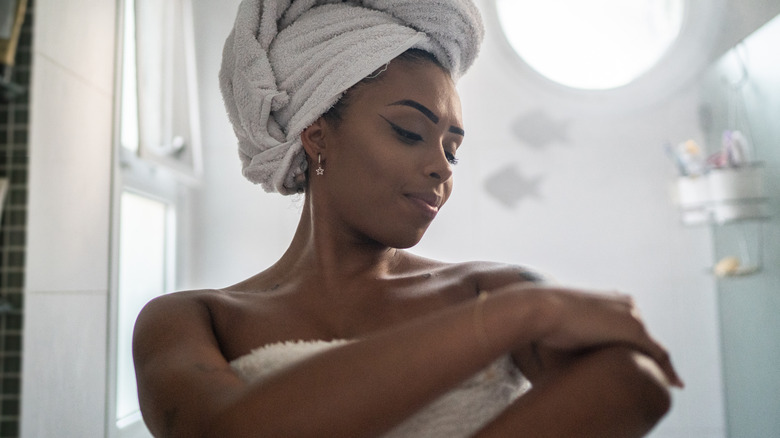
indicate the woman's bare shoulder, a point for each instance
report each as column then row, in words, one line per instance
column 485, row 275
column 184, row 299
column 182, row 308
column 494, row 273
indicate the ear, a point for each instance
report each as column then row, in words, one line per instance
column 313, row 138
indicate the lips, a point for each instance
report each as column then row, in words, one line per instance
column 427, row 203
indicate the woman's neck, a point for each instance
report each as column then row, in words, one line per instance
column 334, row 256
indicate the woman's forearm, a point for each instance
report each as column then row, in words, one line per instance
column 610, row 392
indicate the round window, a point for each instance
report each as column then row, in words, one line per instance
column 594, row 45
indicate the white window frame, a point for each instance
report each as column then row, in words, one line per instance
column 167, row 93
column 157, row 175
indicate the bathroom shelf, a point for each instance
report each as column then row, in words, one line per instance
column 739, row 249
column 711, row 222
column 744, row 271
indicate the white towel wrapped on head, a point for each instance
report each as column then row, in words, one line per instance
column 285, row 63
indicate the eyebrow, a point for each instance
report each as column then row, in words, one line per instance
column 427, row 113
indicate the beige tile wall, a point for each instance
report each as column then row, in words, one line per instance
column 65, row 343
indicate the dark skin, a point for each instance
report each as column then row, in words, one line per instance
column 388, row 169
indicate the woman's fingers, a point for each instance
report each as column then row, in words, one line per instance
column 654, row 349
column 663, row 359
column 628, row 322
column 588, row 319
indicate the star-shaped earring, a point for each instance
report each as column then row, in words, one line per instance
column 319, row 168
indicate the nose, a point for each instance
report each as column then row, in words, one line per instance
column 438, row 166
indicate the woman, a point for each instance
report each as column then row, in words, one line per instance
column 348, row 335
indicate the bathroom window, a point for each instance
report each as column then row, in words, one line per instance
column 159, row 111
column 158, row 149
column 593, row 45
column 146, row 270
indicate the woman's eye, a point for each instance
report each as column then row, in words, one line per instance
column 451, row 158
column 407, row 136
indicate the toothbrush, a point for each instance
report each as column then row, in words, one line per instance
column 675, row 158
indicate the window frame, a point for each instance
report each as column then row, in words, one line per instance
column 541, row 57
column 143, row 174
column 686, row 58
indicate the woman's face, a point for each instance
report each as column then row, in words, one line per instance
column 389, row 162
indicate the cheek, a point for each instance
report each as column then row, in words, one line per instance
column 361, row 178
column 366, row 163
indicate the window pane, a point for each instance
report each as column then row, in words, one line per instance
column 129, row 118
column 167, row 103
column 597, row 44
column 143, row 264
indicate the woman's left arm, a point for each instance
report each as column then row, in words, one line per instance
column 610, row 381
column 536, row 362
column 610, row 392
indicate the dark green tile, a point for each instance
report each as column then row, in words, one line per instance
column 25, row 38
column 21, row 115
column 10, row 407
column 18, row 197
column 20, row 160
column 11, row 385
column 23, row 57
column 19, row 177
column 13, row 321
column 21, row 77
column 13, row 342
column 15, row 298
column 20, row 136
column 12, row 364
column 15, row 259
column 9, row 429
column 17, row 238
column 18, row 217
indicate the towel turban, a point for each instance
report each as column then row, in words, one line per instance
column 286, row 62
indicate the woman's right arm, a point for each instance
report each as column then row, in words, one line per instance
column 183, row 379
column 187, row 388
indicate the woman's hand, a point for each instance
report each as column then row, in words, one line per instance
column 575, row 321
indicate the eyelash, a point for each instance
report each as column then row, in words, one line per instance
column 406, row 135
column 411, row 137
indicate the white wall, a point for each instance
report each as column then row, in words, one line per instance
column 239, row 229
column 67, row 275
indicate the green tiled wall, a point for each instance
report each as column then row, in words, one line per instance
column 14, row 157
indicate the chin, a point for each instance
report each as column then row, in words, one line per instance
column 406, row 241
column 405, row 245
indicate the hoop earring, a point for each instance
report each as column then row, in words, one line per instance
column 319, row 168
